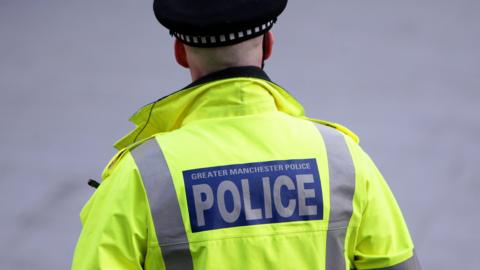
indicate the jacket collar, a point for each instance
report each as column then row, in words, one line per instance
column 226, row 93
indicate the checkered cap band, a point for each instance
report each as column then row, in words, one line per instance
column 224, row 39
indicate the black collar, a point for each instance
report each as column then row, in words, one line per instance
column 233, row 72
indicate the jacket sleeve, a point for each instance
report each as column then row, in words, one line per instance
column 115, row 221
column 383, row 240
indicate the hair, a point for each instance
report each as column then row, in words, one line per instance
column 246, row 53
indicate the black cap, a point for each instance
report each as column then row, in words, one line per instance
column 214, row 23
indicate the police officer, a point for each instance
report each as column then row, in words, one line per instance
column 228, row 173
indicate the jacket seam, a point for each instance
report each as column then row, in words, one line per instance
column 250, row 236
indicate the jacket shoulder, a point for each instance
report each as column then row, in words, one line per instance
column 121, row 154
column 338, row 127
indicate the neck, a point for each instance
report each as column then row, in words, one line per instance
column 197, row 73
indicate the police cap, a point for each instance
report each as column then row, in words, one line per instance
column 214, row 23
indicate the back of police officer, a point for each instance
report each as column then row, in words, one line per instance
column 228, row 173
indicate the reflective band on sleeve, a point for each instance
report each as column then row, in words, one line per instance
column 164, row 206
column 342, row 188
column 410, row 264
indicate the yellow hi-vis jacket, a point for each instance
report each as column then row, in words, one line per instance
column 229, row 174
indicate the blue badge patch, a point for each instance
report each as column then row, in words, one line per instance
column 253, row 193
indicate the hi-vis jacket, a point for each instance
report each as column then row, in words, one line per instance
column 229, row 174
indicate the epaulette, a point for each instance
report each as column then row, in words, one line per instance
column 338, row 127
column 119, row 156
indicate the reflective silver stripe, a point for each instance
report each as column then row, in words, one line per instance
column 410, row 264
column 342, row 188
column 163, row 201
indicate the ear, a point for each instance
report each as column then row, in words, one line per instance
column 181, row 54
column 268, row 41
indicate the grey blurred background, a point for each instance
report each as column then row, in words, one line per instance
column 404, row 75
